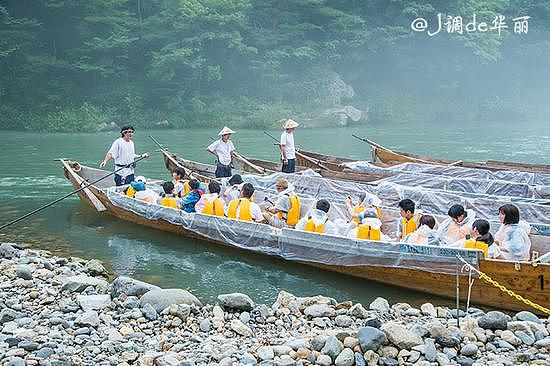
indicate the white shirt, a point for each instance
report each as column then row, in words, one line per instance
column 123, row 153
column 287, row 140
column 232, row 192
column 223, row 150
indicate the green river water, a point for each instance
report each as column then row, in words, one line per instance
column 30, row 177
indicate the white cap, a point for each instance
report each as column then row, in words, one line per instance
column 225, row 131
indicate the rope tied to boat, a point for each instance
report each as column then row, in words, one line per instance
column 518, row 297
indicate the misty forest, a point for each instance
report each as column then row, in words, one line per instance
column 74, row 65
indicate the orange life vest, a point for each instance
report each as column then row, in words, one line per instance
column 293, row 215
column 474, row 244
column 368, row 232
column 130, row 192
column 311, row 227
column 214, row 207
column 407, row 226
column 243, row 204
column 169, row 201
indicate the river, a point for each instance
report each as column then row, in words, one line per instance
column 30, row 177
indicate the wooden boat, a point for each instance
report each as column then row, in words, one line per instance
column 361, row 259
column 391, row 157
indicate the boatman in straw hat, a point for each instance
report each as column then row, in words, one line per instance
column 123, row 153
column 288, row 152
column 223, row 149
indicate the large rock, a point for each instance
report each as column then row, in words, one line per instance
column 345, row 358
column 87, row 319
column 80, row 282
column 358, row 311
column 494, row 320
column 319, row 310
column 7, row 315
column 95, row 268
column 332, row 347
column 236, row 301
column 130, row 287
column 24, row 272
column 238, row 327
column 401, row 336
column 371, row 338
column 9, row 250
column 527, row 316
column 379, row 304
column 162, row 298
column 93, row 302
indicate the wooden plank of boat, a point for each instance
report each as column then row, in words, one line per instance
column 525, row 279
column 90, row 197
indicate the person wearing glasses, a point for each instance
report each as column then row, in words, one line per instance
column 123, row 153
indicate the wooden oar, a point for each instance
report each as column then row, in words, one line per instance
column 298, row 153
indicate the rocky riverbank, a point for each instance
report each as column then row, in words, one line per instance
column 63, row 311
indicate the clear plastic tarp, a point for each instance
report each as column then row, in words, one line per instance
column 516, row 176
column 327, row 250
column 429, row 201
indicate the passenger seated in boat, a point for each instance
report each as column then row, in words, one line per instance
column 168, row 198
column 317, row 220
column 425, row 234
column 366, row 200
column 181, row 186
column 243, row 208
column 457, row 225
column 233, row 188
column 481, row 239
column 188, row 201
column 512, row 237
column 210, row 202
column 285, row 212
column 370, row 227
column 138, row 190
column 408, row 222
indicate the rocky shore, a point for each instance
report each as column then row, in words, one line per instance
column 63, row 311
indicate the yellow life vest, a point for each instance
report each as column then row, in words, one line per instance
column 186, row 188
column 310, row 226
column 474, row 244
column 293, row 215
column 368, row 232
column 131, row 192
column 169, row 201
column 214, row 207
column 358, row 209
column 407, row 226
column 244, row 212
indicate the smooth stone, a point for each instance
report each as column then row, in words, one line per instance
column 371, row 338
column 93, row 302
column 296, row 344
column 419, row 329
column 464, row 361
column 8, row 315
column 388, row 352
column 130, row 287
column 248, row 359
column 324, row 360
column 543, row 343
column 373, row 322
column 343, row 321
column 456, row 314
column 238, row 327
column 44, row 352
column 236, row 301
column 450, row 352
column 447, row 341
column 82, row 331
column 428, row 309
column 528, row 316
column 80, row 282
column 401, row 336
column 332, row 347
column 87, row 319
column 266, row 353
column 442, row 359
column 510, row 337
column 345, row 358
column 380, row 304
column 358, row 311
column 318, row 342
column 162, row 298
column 505, row 345
column 95, row 268
column 9, row 251
column 493, row 320
column 16, row 361
column 24, row 272
column 430, row 352
column 244, row 317
column 149, row 312
column 414, row 356
column 359, row 360
column 205, row 325
column 319, row 311
column 282, row 350
column 131, row 302
column 28, row 345
column 371, row 358
column 469, row 350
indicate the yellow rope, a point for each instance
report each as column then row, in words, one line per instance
column 513, row 294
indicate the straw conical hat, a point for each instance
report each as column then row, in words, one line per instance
column 225, row 131
column 289, row 123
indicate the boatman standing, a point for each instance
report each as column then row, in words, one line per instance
column 223, row 149
column 123, row 153
column 287, row 146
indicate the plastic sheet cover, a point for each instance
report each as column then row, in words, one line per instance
column 428, row 200
column 516, row 176
column 301, row 246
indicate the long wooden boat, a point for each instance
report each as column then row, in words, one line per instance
column 422, row 268
column 391, row 157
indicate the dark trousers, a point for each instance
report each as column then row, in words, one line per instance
column 120, row 180
column 223, row 170
column 290, row 167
